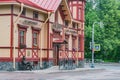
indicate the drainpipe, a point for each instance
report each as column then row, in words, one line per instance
column 14, row 34
column 77, row 54
column 49, row 15
column 77, row 46
column 63, row 34
column 71, row 39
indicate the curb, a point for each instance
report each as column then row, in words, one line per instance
column 65, row 71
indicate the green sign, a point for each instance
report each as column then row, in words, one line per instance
column 96, row 47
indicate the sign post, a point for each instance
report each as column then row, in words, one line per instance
column 93, row 47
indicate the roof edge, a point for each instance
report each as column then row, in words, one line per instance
column 30, row 4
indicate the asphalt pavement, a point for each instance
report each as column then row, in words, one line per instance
column 100, row 72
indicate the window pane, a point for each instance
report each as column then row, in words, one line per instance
column 34, row 35
column 79, row 14
column 35, row 38
column 24, row 11
column 79, row 43
column 73, row 25
column 35, row 15
column 22, row 33
column 35, row 41
column 22, row 40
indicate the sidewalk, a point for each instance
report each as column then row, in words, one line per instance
column 55, row 69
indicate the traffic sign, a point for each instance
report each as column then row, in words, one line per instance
column 96, row 47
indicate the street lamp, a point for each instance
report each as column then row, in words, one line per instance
column 100, row 23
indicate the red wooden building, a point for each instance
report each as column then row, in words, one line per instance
column 45, row 31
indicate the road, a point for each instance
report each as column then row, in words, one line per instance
column 108, row 72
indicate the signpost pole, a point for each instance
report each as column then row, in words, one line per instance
column 92, row 64
column 93, row 43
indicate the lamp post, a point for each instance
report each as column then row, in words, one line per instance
column 100, row 23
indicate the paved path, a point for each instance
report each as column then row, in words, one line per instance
column 110, row 72
column 76, row 75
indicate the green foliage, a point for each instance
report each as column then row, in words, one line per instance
column 106, row 11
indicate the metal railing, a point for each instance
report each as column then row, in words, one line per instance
column 67, row 64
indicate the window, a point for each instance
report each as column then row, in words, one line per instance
column 73, row 43
column 51, row 40
column 66, row 23
column 74, row 25
column 67, row 39
column 79, row 43
column 22, row 35
column 35, row 36
column 35, row 15
column 23, row 12
column 22, row 38
column 77, row 25
column 79, row 14
column 35, row 39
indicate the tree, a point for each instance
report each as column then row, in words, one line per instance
column 106, row 11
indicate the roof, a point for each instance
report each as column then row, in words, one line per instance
column 47, row 4
column 26, row 2
column 8, row 0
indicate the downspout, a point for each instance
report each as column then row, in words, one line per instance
column 77, row 46
column 77, row 53
column 69, row 56
column 49, row 15
column 76, row 56
column 70, row 38
column 14, row 31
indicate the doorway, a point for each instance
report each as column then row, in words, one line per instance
column 56, row 54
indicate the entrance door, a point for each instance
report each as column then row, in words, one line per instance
column 56, row 54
